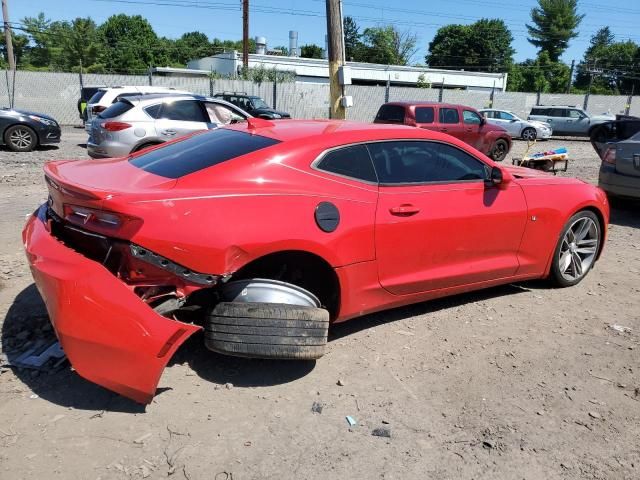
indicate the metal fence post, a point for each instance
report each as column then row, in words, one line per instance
column 275, row 91
column 538, row 97
column 386, row 89
column 627, row 108
column 150, row 74
column 491, row 95
column 441, row 93
column 211, row 85
column 586, row 101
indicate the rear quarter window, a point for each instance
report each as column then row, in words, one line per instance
column 198, row 152
column 353, row 162
column 539, row 111
column 116, row 109
column 391, row 113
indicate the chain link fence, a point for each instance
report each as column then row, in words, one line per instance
column 56, row 94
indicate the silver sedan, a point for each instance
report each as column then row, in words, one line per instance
column 516, row 126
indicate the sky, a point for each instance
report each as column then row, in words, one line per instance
column 274, row 18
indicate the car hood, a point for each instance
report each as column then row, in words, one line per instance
column 522, row 173
column 537, row 123
column 603, row 118
column 269, row 111
column 16, row 112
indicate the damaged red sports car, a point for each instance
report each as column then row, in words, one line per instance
column 263, row 234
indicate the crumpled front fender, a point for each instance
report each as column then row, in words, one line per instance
column 110, row 336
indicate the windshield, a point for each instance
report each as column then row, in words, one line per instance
column 259, row 103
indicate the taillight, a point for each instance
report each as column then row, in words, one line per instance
column 610, row 156
column 115, row 126
column 98, row 108
column 101, row 221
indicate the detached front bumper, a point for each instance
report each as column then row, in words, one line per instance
column 110, row 336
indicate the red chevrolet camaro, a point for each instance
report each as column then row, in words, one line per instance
column 263, row 234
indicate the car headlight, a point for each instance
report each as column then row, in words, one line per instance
column 44, row 121
column 275, row 115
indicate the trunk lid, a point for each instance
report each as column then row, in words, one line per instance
column 90, row 182
column 622, row 136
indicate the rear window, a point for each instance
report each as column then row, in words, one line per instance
column 391, row 113
column 115, row 110
column 202, row 151
column 96, row 97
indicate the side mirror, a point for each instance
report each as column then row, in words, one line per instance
column 513, row 120
column 483, row 120
column 494, row 178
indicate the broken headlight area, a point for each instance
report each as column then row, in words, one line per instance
column 164, row 285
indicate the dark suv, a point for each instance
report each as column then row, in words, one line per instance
column 252, row 104
column 464, row 123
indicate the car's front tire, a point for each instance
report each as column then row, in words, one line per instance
column 529, row 134
column 499, row 150
column 577, row 249
column 20, row 138
column 267, row 330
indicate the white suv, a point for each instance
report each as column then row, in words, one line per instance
column 104, row 97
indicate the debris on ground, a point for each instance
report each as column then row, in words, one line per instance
column 620, row 328
column 351, row 421
column 381, row 432
column 595, row 415
column 317, row 407
column 44, row 355
column 340, row 383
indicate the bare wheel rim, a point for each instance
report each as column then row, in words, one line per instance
column 20, row 138
column 578, row 249
column 529, row 134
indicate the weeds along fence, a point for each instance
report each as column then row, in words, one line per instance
column 56, row 94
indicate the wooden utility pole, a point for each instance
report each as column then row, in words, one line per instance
column 245, row 34
column 7, row 36
column 573, row 65
column 336, row 57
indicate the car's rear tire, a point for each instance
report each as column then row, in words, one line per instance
column 499, row 150
column 267, row 330
column 143, row 146
column 529, row 134
column 20, row 138
column 577, row 249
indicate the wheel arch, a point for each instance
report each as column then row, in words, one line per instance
column 601, row 218
column 298, row 267
column 24, row 124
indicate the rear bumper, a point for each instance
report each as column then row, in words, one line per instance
column 615, row 183
column 107, row 149
column 110, row 336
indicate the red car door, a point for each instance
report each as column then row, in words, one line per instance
column 437, row 224
column 449, row 121
column 472, row 124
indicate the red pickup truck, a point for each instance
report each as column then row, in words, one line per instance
column 464, row 123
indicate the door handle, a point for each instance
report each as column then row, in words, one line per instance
column 443, row 130
column 404, row 210
column 469, row 129
column 169, row 133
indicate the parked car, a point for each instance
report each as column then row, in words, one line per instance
column 134, row 123
column 263, row 233
column 85, row 95
column 464, row 123
column 618, row 145
column 565, row 120
column 104, row 97
column 23, row 131
column 252, row 104
column 518, row 128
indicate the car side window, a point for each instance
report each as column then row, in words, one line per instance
column 424, row 115
column 488, row 114
column 471, row 118
column 391, row 113
column 407, row 162
column 221, row 114
column 352, row 162
column 506, row 116
column 575, row 114
column 154, row 110
column 449, row 115
column 184, row 110
column 558, row 112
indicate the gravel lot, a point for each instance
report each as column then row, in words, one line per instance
column 519, row 381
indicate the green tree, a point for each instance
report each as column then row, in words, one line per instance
column 554, row 24
column 484, row 45
column 539, row 75
column 20, row 43
column 191, row 46
column 352, row 43
column 311, row 51
column 80, row 44
column 612, row 64
column 128, row 43
column 388, row 46
column 38, row 53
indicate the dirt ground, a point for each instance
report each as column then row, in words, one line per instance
column 516, row 382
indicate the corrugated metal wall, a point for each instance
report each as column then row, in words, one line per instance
column 57, row 93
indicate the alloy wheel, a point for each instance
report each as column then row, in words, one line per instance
column 578, row 249
column 529, row 134
column 20, row 138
